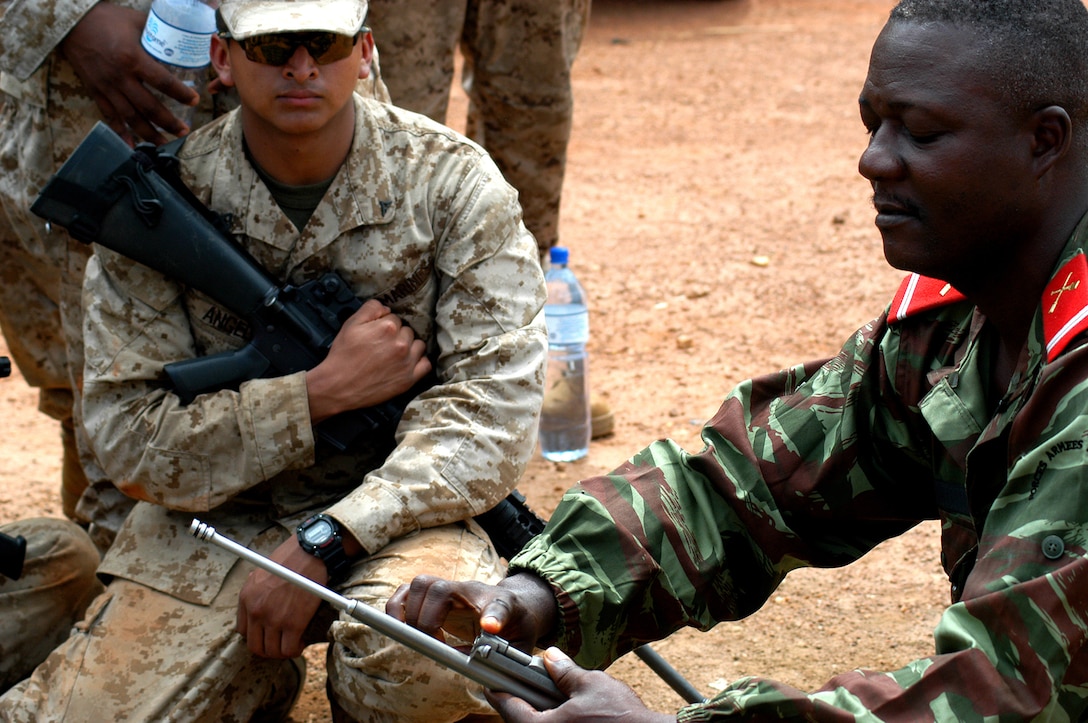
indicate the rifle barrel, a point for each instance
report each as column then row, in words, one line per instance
column 389, row 626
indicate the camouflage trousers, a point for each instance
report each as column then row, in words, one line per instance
column 37, row 611
column 41, row 279
column 35, row 285
column 518, row 56
column 140, row 654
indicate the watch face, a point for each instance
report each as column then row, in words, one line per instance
column 318, row 533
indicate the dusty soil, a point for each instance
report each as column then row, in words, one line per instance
column 715, row 215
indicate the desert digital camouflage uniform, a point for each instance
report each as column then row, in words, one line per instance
column 419, row 218
column 816, row 465
column 517, row 64
column 58, row 581
column 45, row 112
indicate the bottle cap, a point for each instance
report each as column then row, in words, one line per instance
column 559, row 255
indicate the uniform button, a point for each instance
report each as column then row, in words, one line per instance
column 1053, row 547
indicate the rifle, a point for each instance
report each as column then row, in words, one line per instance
column 12, row 549
column 492, row 662
column 133, row 202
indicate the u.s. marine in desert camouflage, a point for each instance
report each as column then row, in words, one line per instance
column 45, row 111
column 965, row 401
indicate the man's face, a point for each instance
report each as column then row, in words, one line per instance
column 948, row 162
column 298, row 97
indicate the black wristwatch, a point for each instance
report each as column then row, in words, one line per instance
column 320, row 536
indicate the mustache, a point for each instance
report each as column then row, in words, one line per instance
column 885, row 202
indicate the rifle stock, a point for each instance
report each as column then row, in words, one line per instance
column 132, row 202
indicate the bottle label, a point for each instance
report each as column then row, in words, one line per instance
column 567, row 323
column 185, row 48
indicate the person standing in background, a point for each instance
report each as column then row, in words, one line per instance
column 517, row 74
column 65, row 65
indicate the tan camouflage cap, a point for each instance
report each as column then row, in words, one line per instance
column 245, row 18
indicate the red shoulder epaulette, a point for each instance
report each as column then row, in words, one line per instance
column 921, row 293
column 1065, row 306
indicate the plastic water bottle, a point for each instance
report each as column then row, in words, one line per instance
column 565, row 421
column 178, row 34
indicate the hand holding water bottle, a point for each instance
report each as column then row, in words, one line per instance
column 105, row 52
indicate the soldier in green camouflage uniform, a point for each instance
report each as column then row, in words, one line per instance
column 517, row 62
column 415, row 218
column 965, row 401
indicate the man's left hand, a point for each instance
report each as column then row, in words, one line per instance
column 593, row 696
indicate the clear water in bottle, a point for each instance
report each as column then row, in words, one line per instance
column 178, row 34
column 565, row 427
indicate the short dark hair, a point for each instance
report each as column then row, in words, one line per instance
column 1036, row 50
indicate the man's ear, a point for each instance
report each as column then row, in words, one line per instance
column 220, row 55
column 366, row 41
column 1052, row 137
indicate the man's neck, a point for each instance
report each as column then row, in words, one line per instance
column 1010, row 299
column 298, row 159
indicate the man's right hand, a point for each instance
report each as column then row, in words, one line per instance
column 104, row 49
column 373, row 358
column 521, row 608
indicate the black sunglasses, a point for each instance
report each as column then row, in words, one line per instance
column 277, row 48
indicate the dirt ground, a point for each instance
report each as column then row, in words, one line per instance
column 715, row 215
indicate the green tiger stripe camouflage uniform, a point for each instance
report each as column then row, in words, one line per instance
column 816, row 465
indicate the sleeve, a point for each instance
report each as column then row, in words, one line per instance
column 463, row 444
column 796, row 471
column 31, row 29
column 1012, row 648
column 191, row 458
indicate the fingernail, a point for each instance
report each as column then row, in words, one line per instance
column 556, row 655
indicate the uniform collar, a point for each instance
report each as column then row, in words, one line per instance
column 1063, row 309
column 361, row 193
